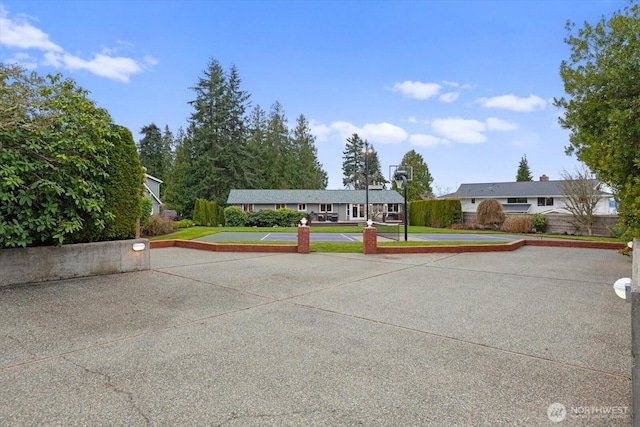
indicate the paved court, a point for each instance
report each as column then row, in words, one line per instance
column 266, row 339
column 230, row 236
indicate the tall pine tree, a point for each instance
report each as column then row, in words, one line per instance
column 420, row 187
column 354, row 162
column 524, row 174
column 155, row 151
column 308, row 170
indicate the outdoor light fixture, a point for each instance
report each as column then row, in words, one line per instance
column 623, row 288
column 303, row 221
column 139, row 247
column 366, row 150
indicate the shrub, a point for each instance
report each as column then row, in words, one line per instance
column 234, row 216
column 517, row 224
column 263, row 218
column 157, row 226
column 490, row 212
column 146, row 205
column 183, row 223
column 539, row 222
column 435, row 212
column 289, row 217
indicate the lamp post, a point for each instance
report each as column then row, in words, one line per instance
column 400, row 177
column 366, row 150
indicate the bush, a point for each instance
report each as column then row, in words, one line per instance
column 234, row 216
column 183, row 223
column 205, row 212
column 263, row 218
column 490, row 212
column 517, row 224
column 158, row 226
column 146, row 205
column 435, row 212
column 539, row 222
column 289, row 217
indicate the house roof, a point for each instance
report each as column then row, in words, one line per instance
column 152, row 194
column 514, row 189
column 312, row 196
column 153, row 178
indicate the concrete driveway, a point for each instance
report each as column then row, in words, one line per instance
column 526, row 338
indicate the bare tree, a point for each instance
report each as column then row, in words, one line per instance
column 582, row 192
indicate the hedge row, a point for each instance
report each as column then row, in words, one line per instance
column 441, row 213
column 207, row 213
column 236, row 217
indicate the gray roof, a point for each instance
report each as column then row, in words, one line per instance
column 237, row 197
column 514, row 189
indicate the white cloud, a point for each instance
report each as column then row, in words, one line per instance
column 466, row 131
column 449, row 97
column 417, row 90
column 422, row 140
column 412, row 119
column 23, row 59
column 499, row 124
column 383, row 133
column 469, row 131
column 514, row 103
column 17, row 33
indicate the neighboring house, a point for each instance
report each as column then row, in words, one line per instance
column 323, row 205
column 530, row 197
column 152, row 189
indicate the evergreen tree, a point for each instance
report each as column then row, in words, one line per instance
column 279, row 168
column 168, row 148
column 257, row 144
column 353, row 163
column 524, row 174
column 309, row 172
column 155, row 153
column 420, row 187
column 374, row 168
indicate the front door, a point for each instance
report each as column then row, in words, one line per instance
column 357, row 211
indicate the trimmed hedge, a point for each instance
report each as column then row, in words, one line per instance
column 234, row 216
column 205, row 212
column 440, row 213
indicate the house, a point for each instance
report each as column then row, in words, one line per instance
column 323, row 205
column 530, row 197
column 152, row 189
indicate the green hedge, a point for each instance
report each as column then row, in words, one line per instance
column 205, row 212
column 441, row 213
column 234, row 216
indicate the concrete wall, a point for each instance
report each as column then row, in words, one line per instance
column 28, row 265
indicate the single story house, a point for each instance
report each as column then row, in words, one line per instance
column 323, row 205
column 152, row 189
column 530, row 197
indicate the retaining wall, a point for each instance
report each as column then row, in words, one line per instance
column 39, row 264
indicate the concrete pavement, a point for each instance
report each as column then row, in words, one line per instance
column 263, row 339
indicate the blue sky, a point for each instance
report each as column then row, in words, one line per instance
column 467, row 84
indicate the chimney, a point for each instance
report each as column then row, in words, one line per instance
column 544, row 177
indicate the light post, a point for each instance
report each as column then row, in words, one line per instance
column 366, row 150
column 400, row 177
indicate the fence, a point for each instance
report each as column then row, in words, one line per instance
column 562, row 223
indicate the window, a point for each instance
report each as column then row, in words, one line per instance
column 326, row 207
column 393, row 207
column 302, row 207
column 517, row 200
column 545, row 201
column 473, row 200
column 247, row 207
column 280, row 206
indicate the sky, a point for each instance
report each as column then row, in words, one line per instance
column 469, row 85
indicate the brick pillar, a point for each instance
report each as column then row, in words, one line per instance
column 370, row 240
column 303, row 239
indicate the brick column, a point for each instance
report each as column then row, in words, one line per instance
column 370, row 240
column 303, row 239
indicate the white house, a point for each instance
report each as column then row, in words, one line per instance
column 152, row 189
column 323, row 205
column 530, row 197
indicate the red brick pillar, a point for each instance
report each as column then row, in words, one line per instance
column 303, row 239
column 370, row 240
